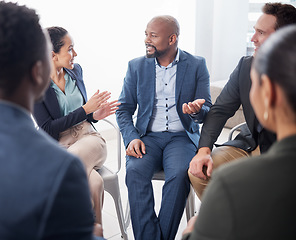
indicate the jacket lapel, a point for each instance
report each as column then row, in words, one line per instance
column 81, row 88
column 150, row 81
column 78, row 82
column 181, row 70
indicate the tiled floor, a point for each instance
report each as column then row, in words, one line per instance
column 110, row 222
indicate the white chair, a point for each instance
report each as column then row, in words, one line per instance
column 111, row 184
column 235, row 128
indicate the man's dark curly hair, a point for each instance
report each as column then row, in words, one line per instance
column 22, row 44
column 285, row 13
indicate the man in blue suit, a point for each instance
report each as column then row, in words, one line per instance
column 43, row 189
column 170, row 90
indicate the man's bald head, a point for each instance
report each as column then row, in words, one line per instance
column 170, row 22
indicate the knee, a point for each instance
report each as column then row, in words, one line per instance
column 178, row 178
column 134, row 167
column 198, row 184
column 96, row 182
column 137, row 177
column 100, row 149
column 133, row 172
column 194, row 180
column 182, row 174
column 225, row 154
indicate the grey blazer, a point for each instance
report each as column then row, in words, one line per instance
column 252, row 198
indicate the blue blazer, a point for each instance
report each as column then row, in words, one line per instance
column 192, row 82
column 43, row 189
column 47, row 112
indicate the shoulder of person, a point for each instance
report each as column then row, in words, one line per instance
column 246, row 60
column 44, row 142
column 140, row 60
column 192, row 58
column 76, row 72
column 77, row 69
column 238, row 169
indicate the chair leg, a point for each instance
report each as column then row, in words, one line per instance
column 190, row 204
column 115, row 193
column 127, row 215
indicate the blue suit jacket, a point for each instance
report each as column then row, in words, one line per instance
column 43, row 188
column 192, row 82
column 48, row 115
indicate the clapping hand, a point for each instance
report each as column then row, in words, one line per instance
column 106, row 109
column 96, row 101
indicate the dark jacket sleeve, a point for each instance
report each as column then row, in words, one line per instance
column 234, row 94
column 52, row 122
column 225, row 107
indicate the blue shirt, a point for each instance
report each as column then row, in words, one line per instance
column 71, row 99
column 164, row 115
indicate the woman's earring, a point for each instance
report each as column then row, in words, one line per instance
column 265, row 116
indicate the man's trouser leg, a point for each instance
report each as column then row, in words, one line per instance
column 220, row 155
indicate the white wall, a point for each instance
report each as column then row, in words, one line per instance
column 221, row 28
column 107, row 34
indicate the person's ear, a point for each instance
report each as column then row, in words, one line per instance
column 37, row 73
column 172, row 39
column 269, row 91
column 54, row 56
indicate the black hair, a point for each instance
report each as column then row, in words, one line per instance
column 57, row 35
column 276, row 58
column 22, row 44
column 285, row 13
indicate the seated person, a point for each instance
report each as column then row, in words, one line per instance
column 234, row 94
column 170, row 87
column 66, row 114
column 255, row 198
column 44, row 192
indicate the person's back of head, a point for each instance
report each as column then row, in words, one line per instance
column 39, row 181
column 284, row 13
column 22, row 45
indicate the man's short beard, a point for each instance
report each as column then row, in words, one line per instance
column 156, row 53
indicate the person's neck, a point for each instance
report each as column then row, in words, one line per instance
column 283, row 117
column 165, row 60
column 23, row 96
column 286, row 131
column 57, row 74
